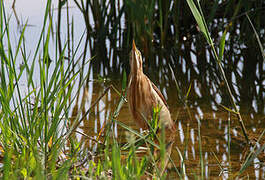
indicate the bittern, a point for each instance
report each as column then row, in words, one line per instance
column 144, row 96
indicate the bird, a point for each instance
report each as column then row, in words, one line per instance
column 143, row 96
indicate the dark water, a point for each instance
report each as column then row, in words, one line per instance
column 191, row 59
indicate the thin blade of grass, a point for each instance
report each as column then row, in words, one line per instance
column 222, row 46
column 199, row 18
column 257, row 36
column 252, row 155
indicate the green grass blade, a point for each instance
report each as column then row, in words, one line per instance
column 222, row 46
column 199, row 19
column 258, row 39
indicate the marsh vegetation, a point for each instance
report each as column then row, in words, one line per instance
column 63, row 108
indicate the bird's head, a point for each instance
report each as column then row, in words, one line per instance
column 135, row 59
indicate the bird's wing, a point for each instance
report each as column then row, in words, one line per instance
column 159, row 94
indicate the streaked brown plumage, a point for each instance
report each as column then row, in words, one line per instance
column 143, row 95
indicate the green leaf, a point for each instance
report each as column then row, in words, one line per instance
column 32, row 162
column 228, row 109
column 199, row 18
column 222, row 46
column 124, row 80
column 188, row 92
column 24, row 172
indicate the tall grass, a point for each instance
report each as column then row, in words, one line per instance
column 35, row 123
column 33, row 118
column 198, row 15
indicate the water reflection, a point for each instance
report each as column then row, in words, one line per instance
column 213, row 127
column 190, row 58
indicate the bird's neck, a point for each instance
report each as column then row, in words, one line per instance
column 136, row 71
column 133, row 76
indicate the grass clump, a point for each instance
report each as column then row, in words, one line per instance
column 36, row 127
column 33, row 118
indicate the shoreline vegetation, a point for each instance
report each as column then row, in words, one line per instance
column 184, row 44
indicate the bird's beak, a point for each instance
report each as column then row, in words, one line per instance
column 135, row 59
column 133, row 46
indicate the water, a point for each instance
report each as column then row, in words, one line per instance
column 214, row 134
column 204, row 100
